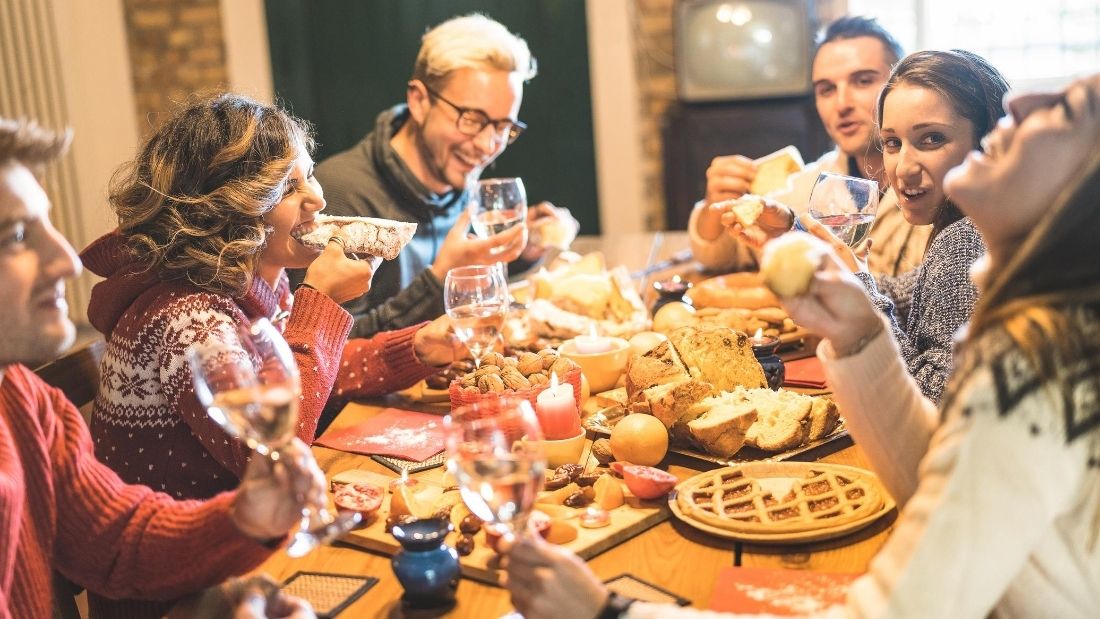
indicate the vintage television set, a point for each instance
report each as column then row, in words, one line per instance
column 743, row 86
column 743, row 49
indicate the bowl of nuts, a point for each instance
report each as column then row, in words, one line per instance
column 525, row 376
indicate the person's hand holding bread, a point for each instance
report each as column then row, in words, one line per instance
column 819, row 292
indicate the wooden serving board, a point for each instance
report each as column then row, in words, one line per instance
column 483, row 563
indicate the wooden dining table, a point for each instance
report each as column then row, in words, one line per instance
column 672, row 555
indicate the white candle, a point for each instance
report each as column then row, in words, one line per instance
column 591, row 344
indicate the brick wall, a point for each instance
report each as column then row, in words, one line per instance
column 657, row 88
column 176, row 49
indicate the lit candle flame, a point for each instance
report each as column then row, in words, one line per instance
column 553, row 381
column 676, row 279
column 592, row 331
column 759, row 337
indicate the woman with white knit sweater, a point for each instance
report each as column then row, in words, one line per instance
column 999, row 487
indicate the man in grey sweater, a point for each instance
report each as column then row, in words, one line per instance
column 461, row 112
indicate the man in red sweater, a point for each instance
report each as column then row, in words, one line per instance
column 62, row 510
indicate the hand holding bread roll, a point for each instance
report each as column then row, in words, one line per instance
column 831, row 301
column 755, row 220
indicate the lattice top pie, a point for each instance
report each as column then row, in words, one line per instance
column 824, row 497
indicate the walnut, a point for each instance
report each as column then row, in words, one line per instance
column 548, row 361
column 510, row 362
column 529, row 363
column 538, row 379
column 490, row 383
column 492, row 358
column 562, row 367
column 547, row 352
column 513, row 379
column 471, row 390
column 469, row 380
column 487, row 369
column 601, row 451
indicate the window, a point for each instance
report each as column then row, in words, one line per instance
column 1034, row 43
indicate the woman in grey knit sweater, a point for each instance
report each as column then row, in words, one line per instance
column 933, row 110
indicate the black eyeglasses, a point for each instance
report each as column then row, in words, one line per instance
column 472, row 122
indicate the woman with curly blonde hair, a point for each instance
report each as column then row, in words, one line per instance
column 207, row 214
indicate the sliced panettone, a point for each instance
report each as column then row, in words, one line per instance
column 721, row 427
column 674, row 403
column 824, row 415
column 718, row 355
column 658, row 366
column 783, row 419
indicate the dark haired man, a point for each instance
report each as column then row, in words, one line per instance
column 853, row 59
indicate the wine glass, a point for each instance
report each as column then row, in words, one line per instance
column 845, row 205
column 476, row 299
column 248, row 382
column 497, row 204
column 494, row 450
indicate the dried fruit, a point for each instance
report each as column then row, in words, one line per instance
column 577, row 499
column 464, row 545
column 470, row 524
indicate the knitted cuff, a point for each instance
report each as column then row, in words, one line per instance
column 399, row 355
column 316, row 314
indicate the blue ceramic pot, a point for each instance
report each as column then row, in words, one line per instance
column 774, row 370
column 426, row 566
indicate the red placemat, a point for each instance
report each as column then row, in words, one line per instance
column 778, row 592
column 806, row 373
column 393, row 432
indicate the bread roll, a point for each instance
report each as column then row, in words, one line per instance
column 747, row 209
column 361, row 235
column 789, row 263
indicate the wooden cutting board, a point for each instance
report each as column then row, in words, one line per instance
column 482, row 564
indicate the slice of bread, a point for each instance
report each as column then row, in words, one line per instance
column 824, row 415
column 783, row 419
column 721, row 425
column 361, row 235
column 674, row 403
column 772, row 170
column 658, row 366
column 718, row 355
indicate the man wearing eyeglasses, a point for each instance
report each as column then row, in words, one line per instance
column 461, row 111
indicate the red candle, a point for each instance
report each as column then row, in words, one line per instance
column 556, row 409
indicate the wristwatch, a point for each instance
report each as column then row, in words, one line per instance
column 615, row 607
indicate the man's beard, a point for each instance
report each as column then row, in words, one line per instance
column 421, row 144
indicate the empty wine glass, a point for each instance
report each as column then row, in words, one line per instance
column 845, row 205
column 476, row 299
column 494, row 450
column 497, row 204
column 248, row 382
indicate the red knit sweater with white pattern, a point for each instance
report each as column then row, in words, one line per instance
column 148, row 424
column 61, row 509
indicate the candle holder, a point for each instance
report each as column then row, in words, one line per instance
column 669, row 290
column 764, row 347
column 602, row 369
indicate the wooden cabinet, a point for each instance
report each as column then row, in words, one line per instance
column 694, row 134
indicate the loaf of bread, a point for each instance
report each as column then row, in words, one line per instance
column 361, row 235
column 789, row 262
column 720, row 424
column 718, row 355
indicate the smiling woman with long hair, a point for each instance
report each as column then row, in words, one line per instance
column 207, row 213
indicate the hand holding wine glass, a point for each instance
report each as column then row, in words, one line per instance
column 249, row 384
column 846, row 205
column 495, row 452
column 476, row 300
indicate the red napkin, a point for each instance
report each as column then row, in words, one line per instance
column 806, row 373
column 778, row 592
column 393, row 432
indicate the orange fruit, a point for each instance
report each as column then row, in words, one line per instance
column 639, row 439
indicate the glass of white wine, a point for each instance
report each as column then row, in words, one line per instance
column 845, row 205
column 497, row 204
column 476, row 299
column 494, row 450
column 248, row 382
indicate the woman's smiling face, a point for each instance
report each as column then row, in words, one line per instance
column 1030, row 156
column 922, row 138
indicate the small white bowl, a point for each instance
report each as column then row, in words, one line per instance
column 563, row 451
